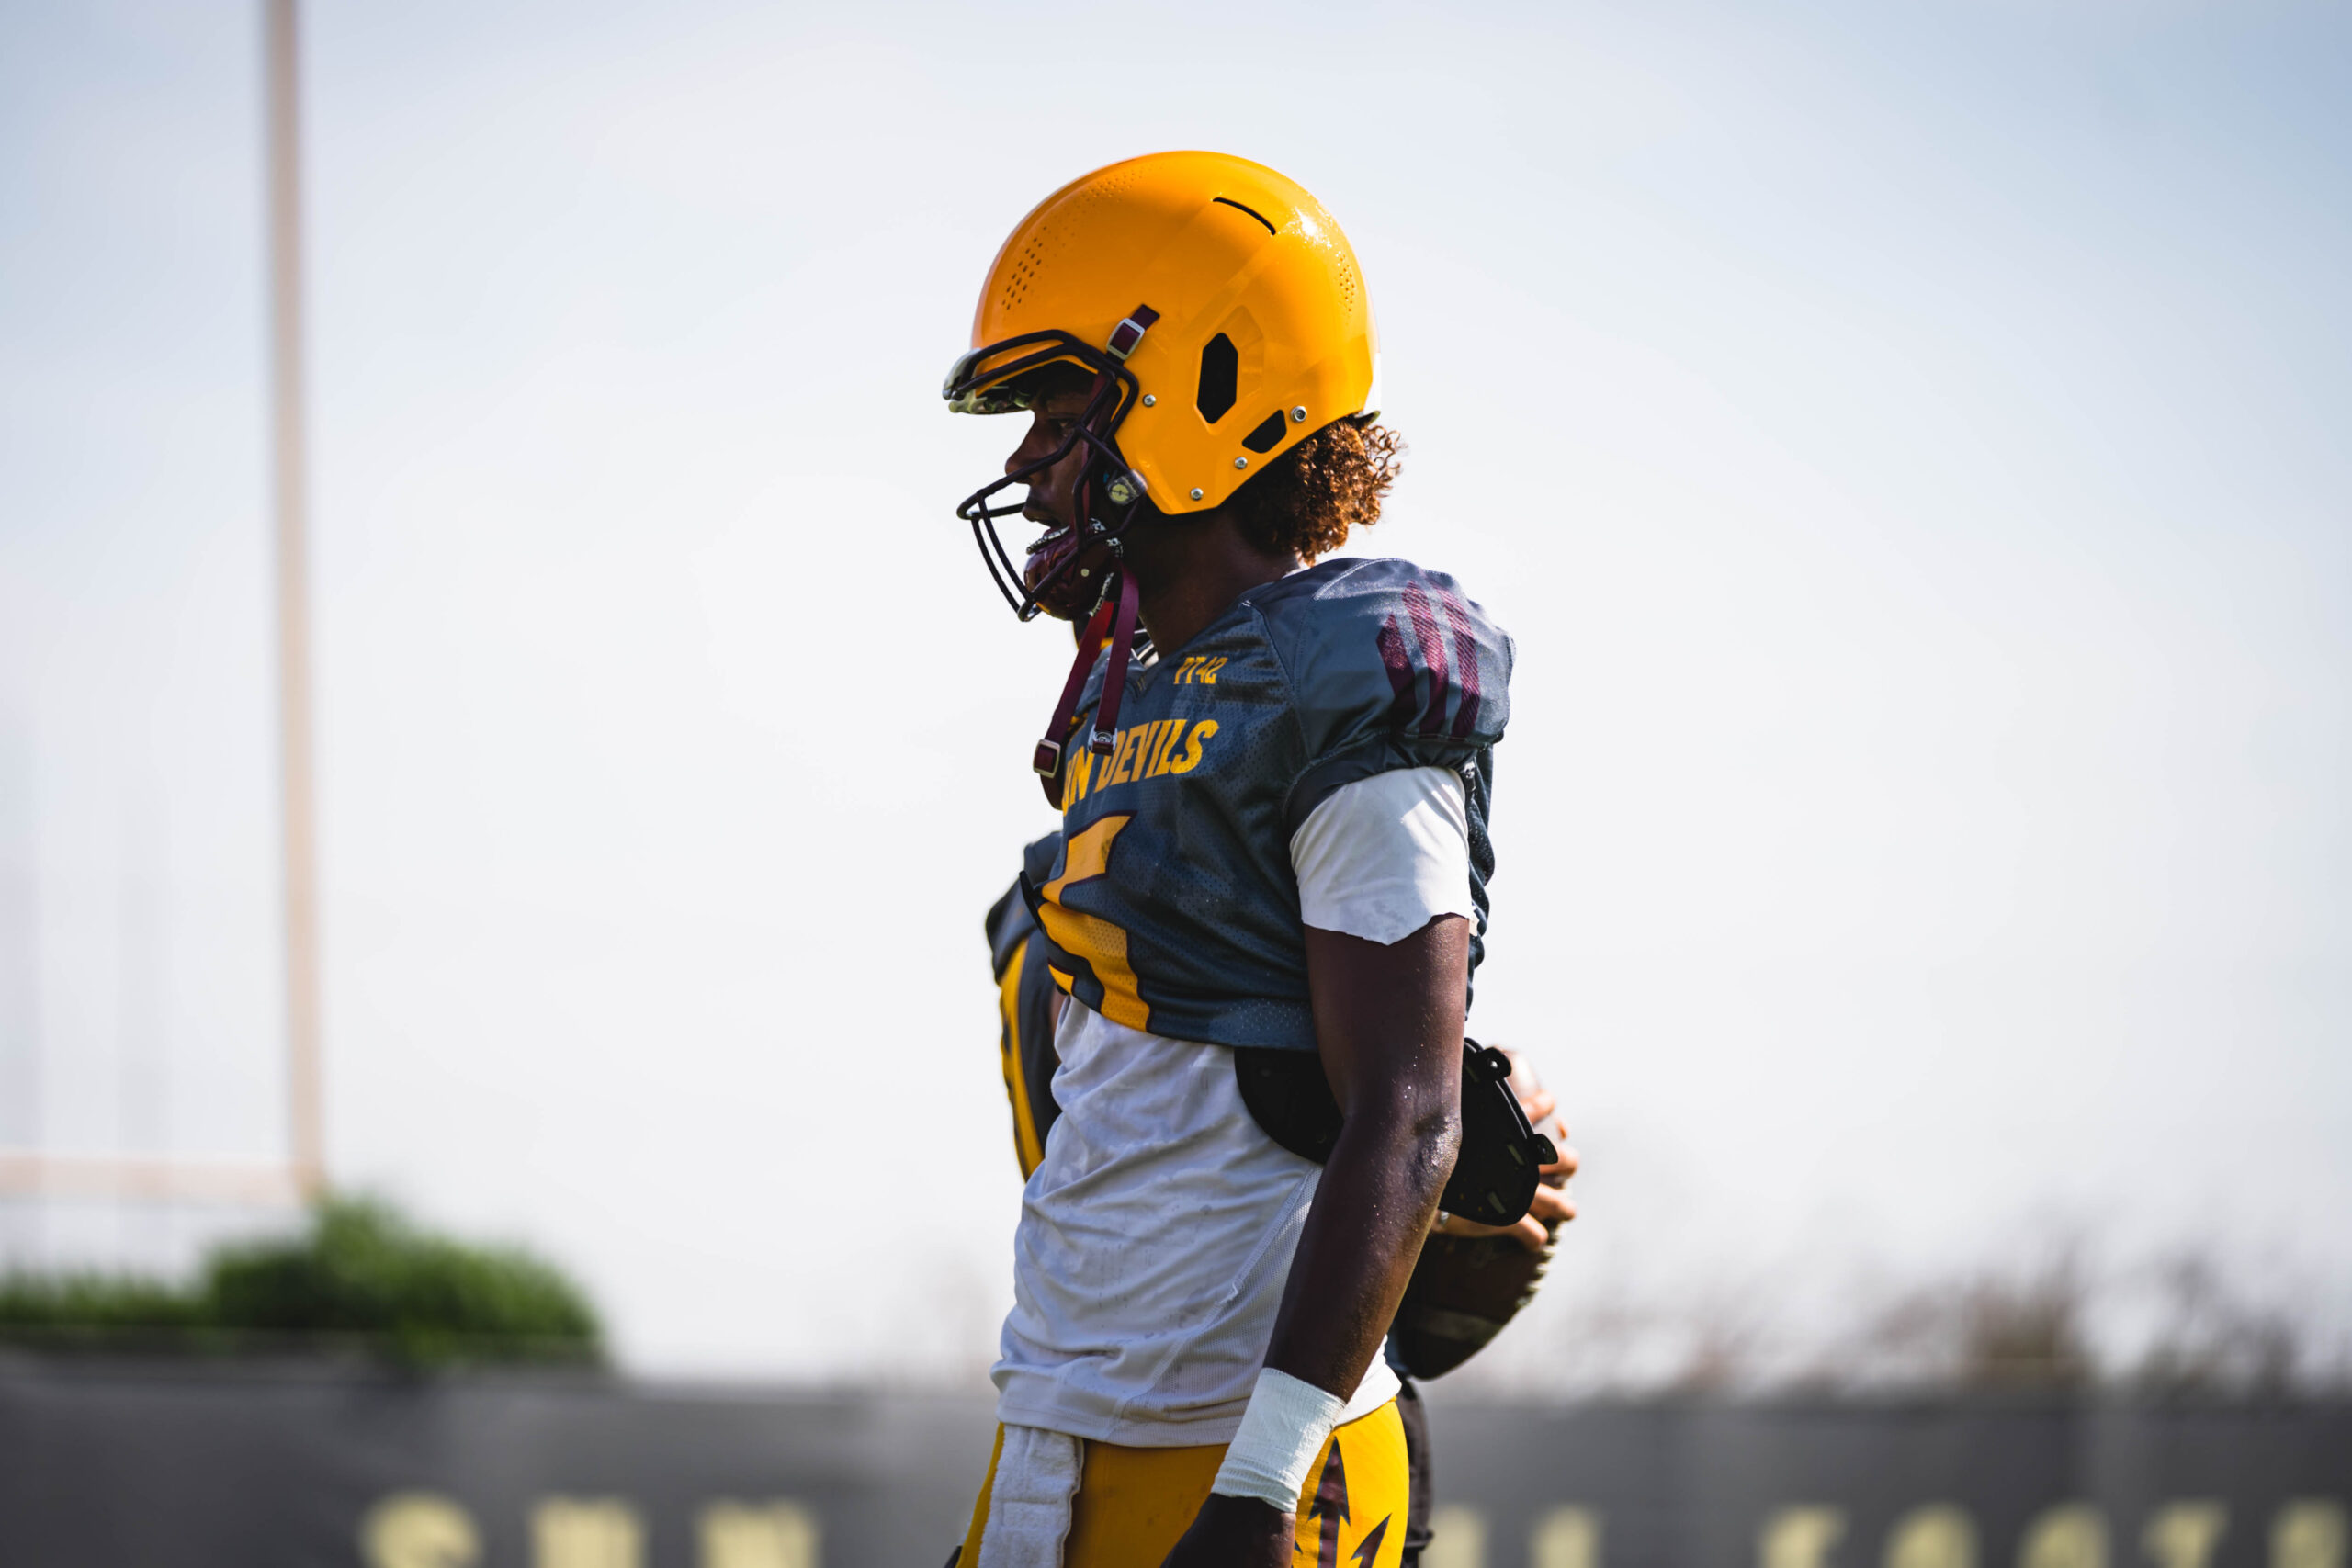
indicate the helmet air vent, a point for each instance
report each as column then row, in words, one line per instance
column 1220, row 376
column 1268, row 435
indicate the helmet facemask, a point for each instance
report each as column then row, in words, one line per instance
column 1067, row 570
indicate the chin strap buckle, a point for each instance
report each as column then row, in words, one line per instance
column 1129, row 333
column 1046, row 760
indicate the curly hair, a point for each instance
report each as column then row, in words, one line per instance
column 1310, row 498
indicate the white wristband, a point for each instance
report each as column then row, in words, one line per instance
column 1284, row 1429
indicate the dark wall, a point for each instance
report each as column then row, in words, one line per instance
column 155, row 1464
column 143, row 1466
column 1945, row 1484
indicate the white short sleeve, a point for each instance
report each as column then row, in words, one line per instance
column 1384, row 856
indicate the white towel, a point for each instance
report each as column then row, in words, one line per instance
column 1036, row 1477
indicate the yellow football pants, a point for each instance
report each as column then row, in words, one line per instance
column 1132, row 1504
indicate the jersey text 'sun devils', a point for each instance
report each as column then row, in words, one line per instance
column 1172, row 906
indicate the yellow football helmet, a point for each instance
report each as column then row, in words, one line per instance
column 1223, row 318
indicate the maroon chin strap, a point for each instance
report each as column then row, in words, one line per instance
column 1114, row 617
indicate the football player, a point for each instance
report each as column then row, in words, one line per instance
column 1271, row 888
column 1472, row 1278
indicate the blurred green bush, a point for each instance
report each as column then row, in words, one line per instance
column 360, row 1278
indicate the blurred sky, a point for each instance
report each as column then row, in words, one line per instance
column 1907, row 443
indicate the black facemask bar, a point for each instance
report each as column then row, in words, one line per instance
column 1107, row 474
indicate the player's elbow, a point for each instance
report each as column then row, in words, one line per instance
column 1428, row 1143
column 1406, row 1127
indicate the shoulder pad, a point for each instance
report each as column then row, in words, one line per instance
column 1387, row 645
column 1390, row 666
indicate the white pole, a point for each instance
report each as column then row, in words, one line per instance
column 25, row 1172
column 289, row 495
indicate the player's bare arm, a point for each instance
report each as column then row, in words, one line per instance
column 1388, row 1026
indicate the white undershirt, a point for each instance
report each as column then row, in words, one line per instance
column 1156, row 1233
column 1384, row 856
